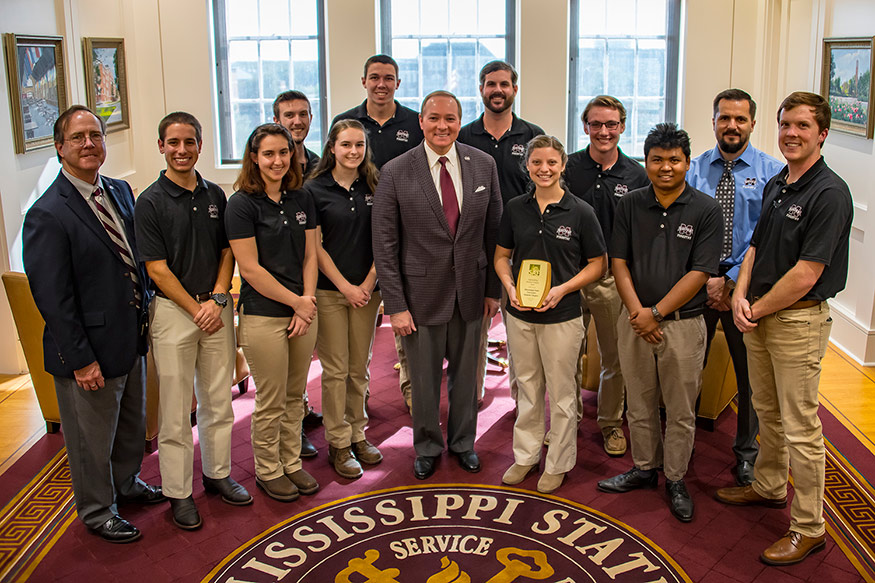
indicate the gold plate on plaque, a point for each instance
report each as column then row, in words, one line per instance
column 533, row 282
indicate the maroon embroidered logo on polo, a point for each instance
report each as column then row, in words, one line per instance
column 301, row 217
column 369, row 199
column 620, row 190
column 402, row 136
column 685, row 231
column 563, row 233
column 448, row 534
column 794, row 212
column 518, row 150
column 214, row 211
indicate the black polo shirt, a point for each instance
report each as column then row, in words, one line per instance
column 603, row 188
column 399, row 134
column 808, row 220
column 312, row 160
column 184, row 228
column 345, row 218
column 661, row 245
column 567, row 235
column 278, row 229
column 509, row 152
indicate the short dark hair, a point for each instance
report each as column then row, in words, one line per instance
column 493, row 66
column 736, row 95
column 180, row 117
column 384, row 59
column 64, row 120
column 667, row 136
column 440, row 93
column 604, row 101
column 290, row 95
column 249, row 180
column 819, row 106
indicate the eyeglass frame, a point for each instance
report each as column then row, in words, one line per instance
column 596, row 126
column 78, row 140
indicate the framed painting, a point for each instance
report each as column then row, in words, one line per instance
column 37, row 84
column 106, row 82
column 846, row 82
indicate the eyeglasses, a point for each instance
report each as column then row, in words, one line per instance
column 78, row 140
column 597, row 125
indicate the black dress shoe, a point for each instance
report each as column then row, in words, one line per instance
column 743, row 473
column 312, row 419
column 423, row 466
column 149, row 495
column 232, row 492
column 631, row 480
column 307, row 448
column 117, row 530
column 185, row 514
column 469, row 461
column 679, row 501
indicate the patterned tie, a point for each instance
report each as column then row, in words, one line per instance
column 112, row 229
column 726, row 197
column 448, row 194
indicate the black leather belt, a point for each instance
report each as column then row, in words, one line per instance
column 202, row 297
column 683, row 315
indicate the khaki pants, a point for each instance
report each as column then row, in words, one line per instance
column 672, row 368
column 186, row 359
column 544, row 356
column 344, row 343
column 279, row 366
column 601, row 300
column 783, row 355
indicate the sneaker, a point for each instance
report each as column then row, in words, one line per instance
column 517, row 473
column 615, row 441
column 304, row 482
column 280, row 488
column 344, row 462
column 366, row 452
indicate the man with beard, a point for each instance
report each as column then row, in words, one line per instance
column 291, row 109
column 502, row 135
column 735, row 173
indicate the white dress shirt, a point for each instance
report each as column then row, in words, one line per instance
column 452, row 167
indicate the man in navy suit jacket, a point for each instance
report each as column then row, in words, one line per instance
column 435, row 221
column 81, row 260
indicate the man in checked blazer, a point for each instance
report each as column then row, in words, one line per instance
column 81, row 260
column 435, row 220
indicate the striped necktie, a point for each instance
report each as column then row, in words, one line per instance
column 114, row 232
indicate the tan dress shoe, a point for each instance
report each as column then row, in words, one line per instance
column 747, row 496
column 792, row 548
column 516, row 474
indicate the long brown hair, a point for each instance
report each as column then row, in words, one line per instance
column 250, row 180
column 367, row 171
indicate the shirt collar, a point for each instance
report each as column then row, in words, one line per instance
column 452, row 155
column 516, row 125
column 176, row 190
column 684, row 198
column 589, row 163
column 564, row 202
column 747, row 156
column 804, row 179
column 84, row 188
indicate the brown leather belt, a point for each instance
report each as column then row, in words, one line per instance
column 202, row 297
column 801, row 304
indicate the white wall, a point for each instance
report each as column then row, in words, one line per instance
column 767, row 47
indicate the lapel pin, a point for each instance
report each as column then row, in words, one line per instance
column 467, row 157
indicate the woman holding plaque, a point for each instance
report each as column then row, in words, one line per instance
column 271, row 225
column 549, row 246
column 342, row 186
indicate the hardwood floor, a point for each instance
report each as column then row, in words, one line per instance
column 847, row 390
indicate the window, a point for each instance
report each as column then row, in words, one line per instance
column 443, row 44
column 265, row 47
column 628, row 49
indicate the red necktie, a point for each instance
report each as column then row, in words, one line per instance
column 448, row 194
column 112, row 229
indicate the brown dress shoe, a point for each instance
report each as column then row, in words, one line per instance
column 747, row 496
column 792, row 548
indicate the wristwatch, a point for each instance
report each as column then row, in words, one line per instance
column 220, row 299
column 656, row 315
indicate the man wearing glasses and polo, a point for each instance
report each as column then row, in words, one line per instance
column 601, row 174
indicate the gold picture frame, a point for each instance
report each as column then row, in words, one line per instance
column 846, row 83
column 37, row 81
column 106, row 81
